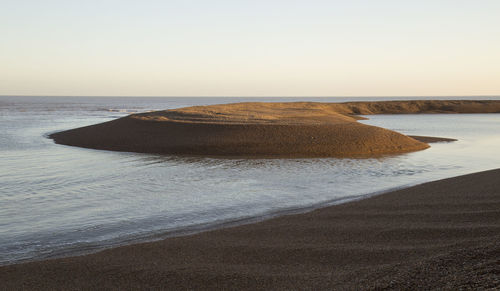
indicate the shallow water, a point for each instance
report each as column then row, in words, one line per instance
column 57, row 199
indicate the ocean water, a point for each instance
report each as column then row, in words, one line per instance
column 58, row 200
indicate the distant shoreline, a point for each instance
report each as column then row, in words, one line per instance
column 404, row 97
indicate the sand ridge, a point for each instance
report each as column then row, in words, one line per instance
column 290, row 113
column 259, row 129
column 313, row 112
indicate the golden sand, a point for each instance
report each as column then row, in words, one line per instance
column 294, row 129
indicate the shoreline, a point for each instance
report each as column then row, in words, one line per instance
column 210, row 226
column 92, row 248
column 440, row 218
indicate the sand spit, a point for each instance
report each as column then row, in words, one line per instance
column 438, row 235
column 432, row 139
column 419, row 106
column 295, row 129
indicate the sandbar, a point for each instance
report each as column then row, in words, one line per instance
column 259, row 129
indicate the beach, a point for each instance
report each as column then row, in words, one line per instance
column 437, row 235
column 250, row 145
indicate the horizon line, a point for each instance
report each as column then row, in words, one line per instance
column 247, row 96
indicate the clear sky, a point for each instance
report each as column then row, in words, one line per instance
column 250, row 48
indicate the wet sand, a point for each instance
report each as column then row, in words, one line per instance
column 441, row 235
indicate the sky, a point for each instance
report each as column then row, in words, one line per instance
column 250, row 48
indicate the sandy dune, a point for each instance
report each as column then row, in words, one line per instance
column 295, row 129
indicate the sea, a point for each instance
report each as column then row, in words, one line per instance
column 58, row 200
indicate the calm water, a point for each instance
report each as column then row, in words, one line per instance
column 57, row 200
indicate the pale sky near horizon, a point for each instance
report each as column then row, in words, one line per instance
column 250, row 48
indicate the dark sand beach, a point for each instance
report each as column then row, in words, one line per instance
column 437, row 235
column 250, row 145
column 294, row 129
